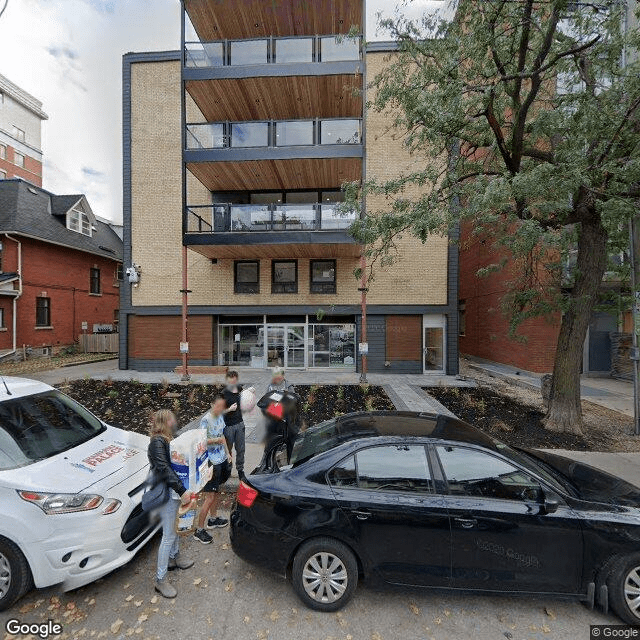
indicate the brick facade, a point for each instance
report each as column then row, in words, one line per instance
column 62, row 274
column 31, row 172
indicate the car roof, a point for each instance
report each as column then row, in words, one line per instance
column 20, row 387
column 437, row 426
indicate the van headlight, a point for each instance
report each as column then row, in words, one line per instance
column 54, row 503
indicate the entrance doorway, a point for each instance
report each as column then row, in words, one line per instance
column 434, row 344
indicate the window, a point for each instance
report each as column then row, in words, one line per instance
column 462, row 318
column 18, row 159
column 43, row 312
column 323, row 276
column 3, row 175
column 2, row 325
column 388, row 468
column 18, row 134
column 474, row 473
column 246, row 277
column 94, row 281
column 3, row 151
column 284, row 276
column 119, row 272
column 79, row 222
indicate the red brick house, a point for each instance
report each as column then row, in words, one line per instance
column 60, row 267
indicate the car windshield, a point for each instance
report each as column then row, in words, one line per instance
column 315, row 440
column 36, row 427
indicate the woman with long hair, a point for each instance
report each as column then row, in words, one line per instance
column 163, row 428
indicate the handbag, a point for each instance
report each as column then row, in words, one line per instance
column 155, row 496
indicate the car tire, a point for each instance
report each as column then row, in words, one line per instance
column 15, row 575
column 337, row 570
column 623, row 584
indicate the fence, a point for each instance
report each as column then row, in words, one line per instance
column 99, row 343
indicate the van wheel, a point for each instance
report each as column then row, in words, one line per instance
column 324, row 574
column 15, row 576
column 623, row 583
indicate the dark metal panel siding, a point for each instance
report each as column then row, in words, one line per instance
column 453, row 364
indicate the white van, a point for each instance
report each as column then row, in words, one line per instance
column 70, row 491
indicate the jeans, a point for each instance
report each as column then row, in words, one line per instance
column 170, row 543
column 234, row 435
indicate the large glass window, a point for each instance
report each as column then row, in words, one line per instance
column 247, row 276
column 241, row 345
column 342, row 131
column 18, row 159
column 249, row 134
column 294, row 132
column 323, row 276
column 284, row 276
column 94, row 281
column 470, row 472
column 294, row 50
column 249, row 52
column 335, row 48
column 332, row 345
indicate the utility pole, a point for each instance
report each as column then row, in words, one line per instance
column 363, row 347
column 184, row 345
column 634, row 254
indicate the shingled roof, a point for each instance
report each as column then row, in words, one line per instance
column 31, row 211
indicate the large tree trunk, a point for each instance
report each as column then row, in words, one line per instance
column 565, row 411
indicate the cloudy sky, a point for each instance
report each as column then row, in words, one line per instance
column 68, row 53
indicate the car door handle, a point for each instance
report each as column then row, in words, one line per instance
column 466, row 523
column 361, row 515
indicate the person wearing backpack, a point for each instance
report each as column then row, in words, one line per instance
column 163, row 427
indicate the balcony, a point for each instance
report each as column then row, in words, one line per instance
column 273, row 230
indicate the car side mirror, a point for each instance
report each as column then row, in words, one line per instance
column 550, row 504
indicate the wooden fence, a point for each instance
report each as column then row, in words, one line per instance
column 99, row 342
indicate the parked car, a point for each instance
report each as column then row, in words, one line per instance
column 70, row 491
column 430, row 501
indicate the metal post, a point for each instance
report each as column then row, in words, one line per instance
column 363, row 324
column 185, row 333
column 634, row 245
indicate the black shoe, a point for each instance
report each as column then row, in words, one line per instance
column 217, row 523
column 241, row 476
column 202, row 536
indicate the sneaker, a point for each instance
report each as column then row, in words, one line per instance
column 202, row 536
column 217, row 523
column 165, row 589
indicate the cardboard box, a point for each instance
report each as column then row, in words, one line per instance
column 189, row 459
column 187, row 523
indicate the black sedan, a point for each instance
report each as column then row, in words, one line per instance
column 430, row 501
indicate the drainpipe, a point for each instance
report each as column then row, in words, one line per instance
column 184, row 348
column 15, row 298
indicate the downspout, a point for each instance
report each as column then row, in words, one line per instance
column 15, row 298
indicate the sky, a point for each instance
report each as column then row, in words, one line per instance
column 68, row 53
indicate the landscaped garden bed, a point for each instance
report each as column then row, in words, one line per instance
column 518, row 422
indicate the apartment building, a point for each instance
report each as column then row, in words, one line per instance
column 235, row 151
column 21, row 117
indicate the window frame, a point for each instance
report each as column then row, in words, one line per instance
column 2, row 319
column 16, row 155
column 46, row 308
column 462, row 318
column 3, row 151
column 93, row 280
column 324, row 287
column 433, row 479
column 243, row 287
column 19, row 134
column 275, row 286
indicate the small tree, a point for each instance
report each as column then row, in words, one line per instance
column 536, row 117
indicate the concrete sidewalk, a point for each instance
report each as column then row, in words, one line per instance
column 607, row 392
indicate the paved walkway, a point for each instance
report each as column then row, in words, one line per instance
column 606, row 392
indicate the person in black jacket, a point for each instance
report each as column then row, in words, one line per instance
column 163, row 428
column 234, row 431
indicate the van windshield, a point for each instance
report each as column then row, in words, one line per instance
column 36, row 427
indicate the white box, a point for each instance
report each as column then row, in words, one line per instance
column 189, row 458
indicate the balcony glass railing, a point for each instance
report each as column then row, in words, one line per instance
column 336, row 48
column 225, row 218
column 219, row 135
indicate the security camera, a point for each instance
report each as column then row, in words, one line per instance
column 133, row 275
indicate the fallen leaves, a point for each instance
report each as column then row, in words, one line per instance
column 129, row 598
column 414, row 609
column 116, row 626
column 197, row 581
column 228, row 587
column 246, row 619
column 550, row 612
column 274, row 616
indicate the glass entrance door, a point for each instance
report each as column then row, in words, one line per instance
column 433, row 345
column 286, row 345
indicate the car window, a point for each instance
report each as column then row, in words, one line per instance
column 40, row 426
column 385, row 468
column 470, row 472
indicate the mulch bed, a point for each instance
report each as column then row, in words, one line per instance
column 320, row 403
column 511, row 421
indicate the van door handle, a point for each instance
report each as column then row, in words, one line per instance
column 466, row 523
column 361, row 515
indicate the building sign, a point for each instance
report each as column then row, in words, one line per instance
column 363, row 348
column 184, row 347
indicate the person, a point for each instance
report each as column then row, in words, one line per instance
column 163, row 428
column 278, row 381
column 234, row 431
column 220, row 461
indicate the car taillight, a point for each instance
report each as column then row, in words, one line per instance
column 246, row 495
column 275, row 410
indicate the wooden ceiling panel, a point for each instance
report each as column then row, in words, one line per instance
column 239, row 19
column 278, row 251
column 278, row 98
column 258, row 175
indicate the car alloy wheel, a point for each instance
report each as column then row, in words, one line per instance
column 632, row 591
column 5, row 575
column 325, row 577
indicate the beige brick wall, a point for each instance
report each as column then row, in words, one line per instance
column 418, row 277
column 419, row 274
